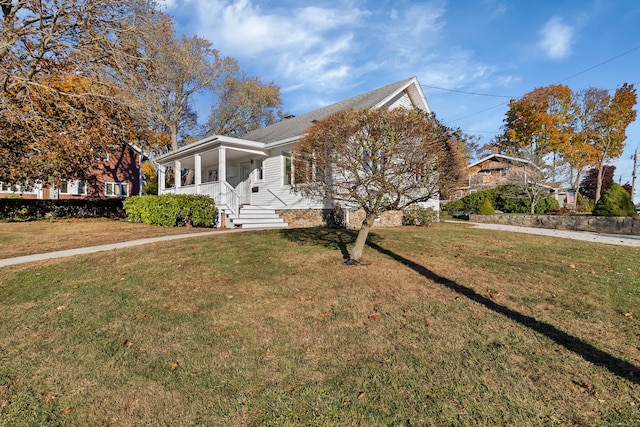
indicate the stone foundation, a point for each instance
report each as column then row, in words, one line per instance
column 598, row 224
column 386, row 219
column 335, row 218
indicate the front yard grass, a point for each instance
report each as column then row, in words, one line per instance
column 445, row 325
column 28, row 238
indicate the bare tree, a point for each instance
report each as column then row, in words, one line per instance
column 244, row 104
column 176, row 69
column 377, row 160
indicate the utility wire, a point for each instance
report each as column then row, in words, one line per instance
column 468, row 93
column 517, row 97
column 598, row 65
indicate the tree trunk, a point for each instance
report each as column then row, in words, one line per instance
column 599, row 183
column 356, row 252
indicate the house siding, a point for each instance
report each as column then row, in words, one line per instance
column 400, row 100
column 272, row 191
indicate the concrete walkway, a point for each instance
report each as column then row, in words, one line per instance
column 612, row 239
column 107, row 247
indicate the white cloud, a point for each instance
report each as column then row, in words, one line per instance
column 312, row 44
column 556, row 38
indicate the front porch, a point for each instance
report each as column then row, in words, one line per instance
column 225, row 169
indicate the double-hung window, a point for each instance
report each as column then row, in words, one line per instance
column 116, row 189
column 287, row 169
column 73, row 187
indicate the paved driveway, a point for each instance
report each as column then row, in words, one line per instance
column 613, row 239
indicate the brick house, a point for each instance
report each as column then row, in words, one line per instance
column 119, row 175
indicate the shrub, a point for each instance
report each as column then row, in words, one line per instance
column 172, row 210
column 417, row 215
column 20, row 209
column 454, row 206
column 583, row 204
column 615, row 202
column 470, row 203
column 511, row 198
column 546, row 205
column 486, row 208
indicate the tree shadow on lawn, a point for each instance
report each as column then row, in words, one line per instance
column 332, row 238
column 339, row 239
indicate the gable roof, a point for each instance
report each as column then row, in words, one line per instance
column 294, row 127
column 502, row 158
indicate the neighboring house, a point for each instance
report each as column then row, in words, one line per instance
column 493, row 171
column 119, row 175
column 250, row 178
column 496, row 170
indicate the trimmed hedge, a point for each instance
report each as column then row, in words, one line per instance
column 17, row 209
column 172, row 210
column 509, row 198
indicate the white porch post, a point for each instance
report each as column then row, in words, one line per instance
column 198, row 172
column 222, row 164
column 177, row 174
column 161, row 178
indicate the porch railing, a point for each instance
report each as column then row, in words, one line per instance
column 222, row 193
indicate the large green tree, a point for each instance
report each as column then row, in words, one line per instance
column 377, row 160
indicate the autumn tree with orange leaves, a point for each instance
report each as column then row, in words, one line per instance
column 62, row 101
column 539, row 124
column 602, row 127
column 583, row 129
column 377, row 160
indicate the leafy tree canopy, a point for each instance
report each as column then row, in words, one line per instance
column 377, row 160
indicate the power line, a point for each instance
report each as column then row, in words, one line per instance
column 477, row 112
column 517, row 97
column 600, row 64
column 468, row 93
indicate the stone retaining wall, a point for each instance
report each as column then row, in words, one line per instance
column 599, row 224
column 335, row 218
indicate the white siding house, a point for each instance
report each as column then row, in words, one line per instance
column 252, row 176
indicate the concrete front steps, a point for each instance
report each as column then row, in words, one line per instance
column 257, row 217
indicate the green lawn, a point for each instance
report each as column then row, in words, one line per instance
column 444, row 325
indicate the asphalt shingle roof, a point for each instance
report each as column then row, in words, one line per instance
column 296, row 126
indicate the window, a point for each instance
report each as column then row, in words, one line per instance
column 74, row 187
column 287, row 170
column 259, row 170
column 116, row 189
column 373, row 161
column 503, row 172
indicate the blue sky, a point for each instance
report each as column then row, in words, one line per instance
column 470, row 56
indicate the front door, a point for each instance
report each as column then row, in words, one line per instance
column 245, row 185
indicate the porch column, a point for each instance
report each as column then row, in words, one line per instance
column 222, row 164
column 161, row 178
column 177, row 174
column 197, row 165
